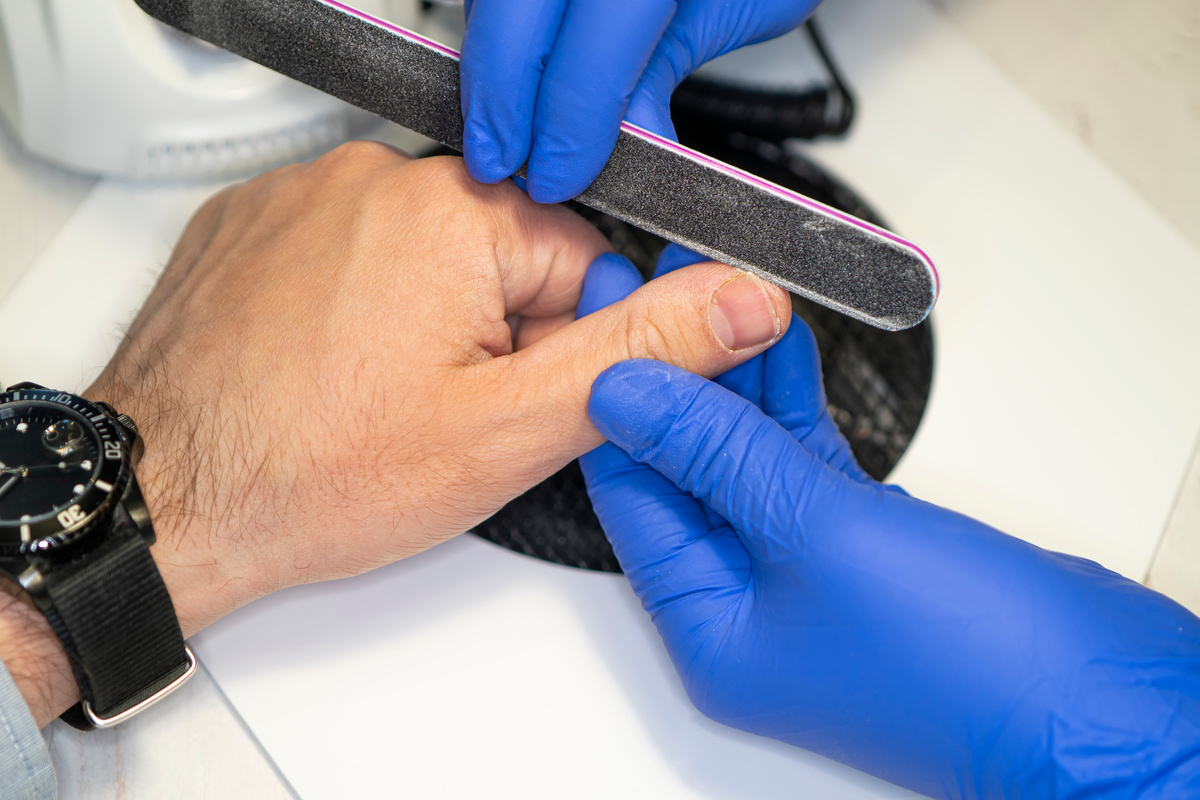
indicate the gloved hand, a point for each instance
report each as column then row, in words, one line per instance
column 549, row 81
column 803, row 601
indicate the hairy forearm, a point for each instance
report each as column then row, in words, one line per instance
column 203, row 550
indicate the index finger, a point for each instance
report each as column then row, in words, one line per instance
column 504, row 52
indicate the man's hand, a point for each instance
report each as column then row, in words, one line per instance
column 349, row 361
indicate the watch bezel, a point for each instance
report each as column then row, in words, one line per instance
column 54, row 532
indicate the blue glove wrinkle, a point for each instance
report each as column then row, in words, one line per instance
column 794, row 396
column 600, row 52
column 717, row 564
column 503, row 57
column 674, row 421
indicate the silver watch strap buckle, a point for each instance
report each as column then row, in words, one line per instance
column 117, row 719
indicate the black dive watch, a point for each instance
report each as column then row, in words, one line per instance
column 75, row 533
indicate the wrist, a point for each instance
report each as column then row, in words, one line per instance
column 205, row 581
column 34, row 657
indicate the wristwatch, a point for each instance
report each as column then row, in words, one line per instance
column 75, row 533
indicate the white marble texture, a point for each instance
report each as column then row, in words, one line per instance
column 191, row 746
column 1122, row 76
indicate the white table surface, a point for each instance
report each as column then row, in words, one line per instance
column 194, row 745
column 1068, row 304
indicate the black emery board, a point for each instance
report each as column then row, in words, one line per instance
column 656, row 184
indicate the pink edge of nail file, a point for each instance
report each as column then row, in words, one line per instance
column 656, row 184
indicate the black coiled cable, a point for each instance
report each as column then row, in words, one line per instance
column 705, row 110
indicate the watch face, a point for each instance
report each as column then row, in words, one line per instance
column 61, row 460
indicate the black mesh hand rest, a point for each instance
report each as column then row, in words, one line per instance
column 876, row 385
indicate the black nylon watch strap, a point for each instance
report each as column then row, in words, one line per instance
column 116, row 621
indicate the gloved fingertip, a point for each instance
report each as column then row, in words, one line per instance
column 650, row 103
column 488, row 159
column 675, row 257
column 625, row 378
column 795, row 351
column 793, row 394
column 546, row 194
column 549, row 190
column 610, row 278
column 559, row 170
column 649, row 113
column 484, row 171
column 631, row 399
column 803, row 334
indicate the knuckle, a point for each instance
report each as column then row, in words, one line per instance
column 661, row 338
column 250, row 200
column 440, row 186
column 213, row 206
column 362, row 154
column 445, row 179
column 352, row 167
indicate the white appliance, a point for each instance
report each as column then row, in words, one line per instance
column 1063, row 410
column 100, row 87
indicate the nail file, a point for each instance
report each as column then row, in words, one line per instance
column 653, row 183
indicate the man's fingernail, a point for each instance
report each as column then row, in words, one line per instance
column 741, row 313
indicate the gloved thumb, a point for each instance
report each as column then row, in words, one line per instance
column 706, row 318
column 721, row 449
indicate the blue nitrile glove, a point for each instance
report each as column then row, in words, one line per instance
column 548, row 81
column 803, row 601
